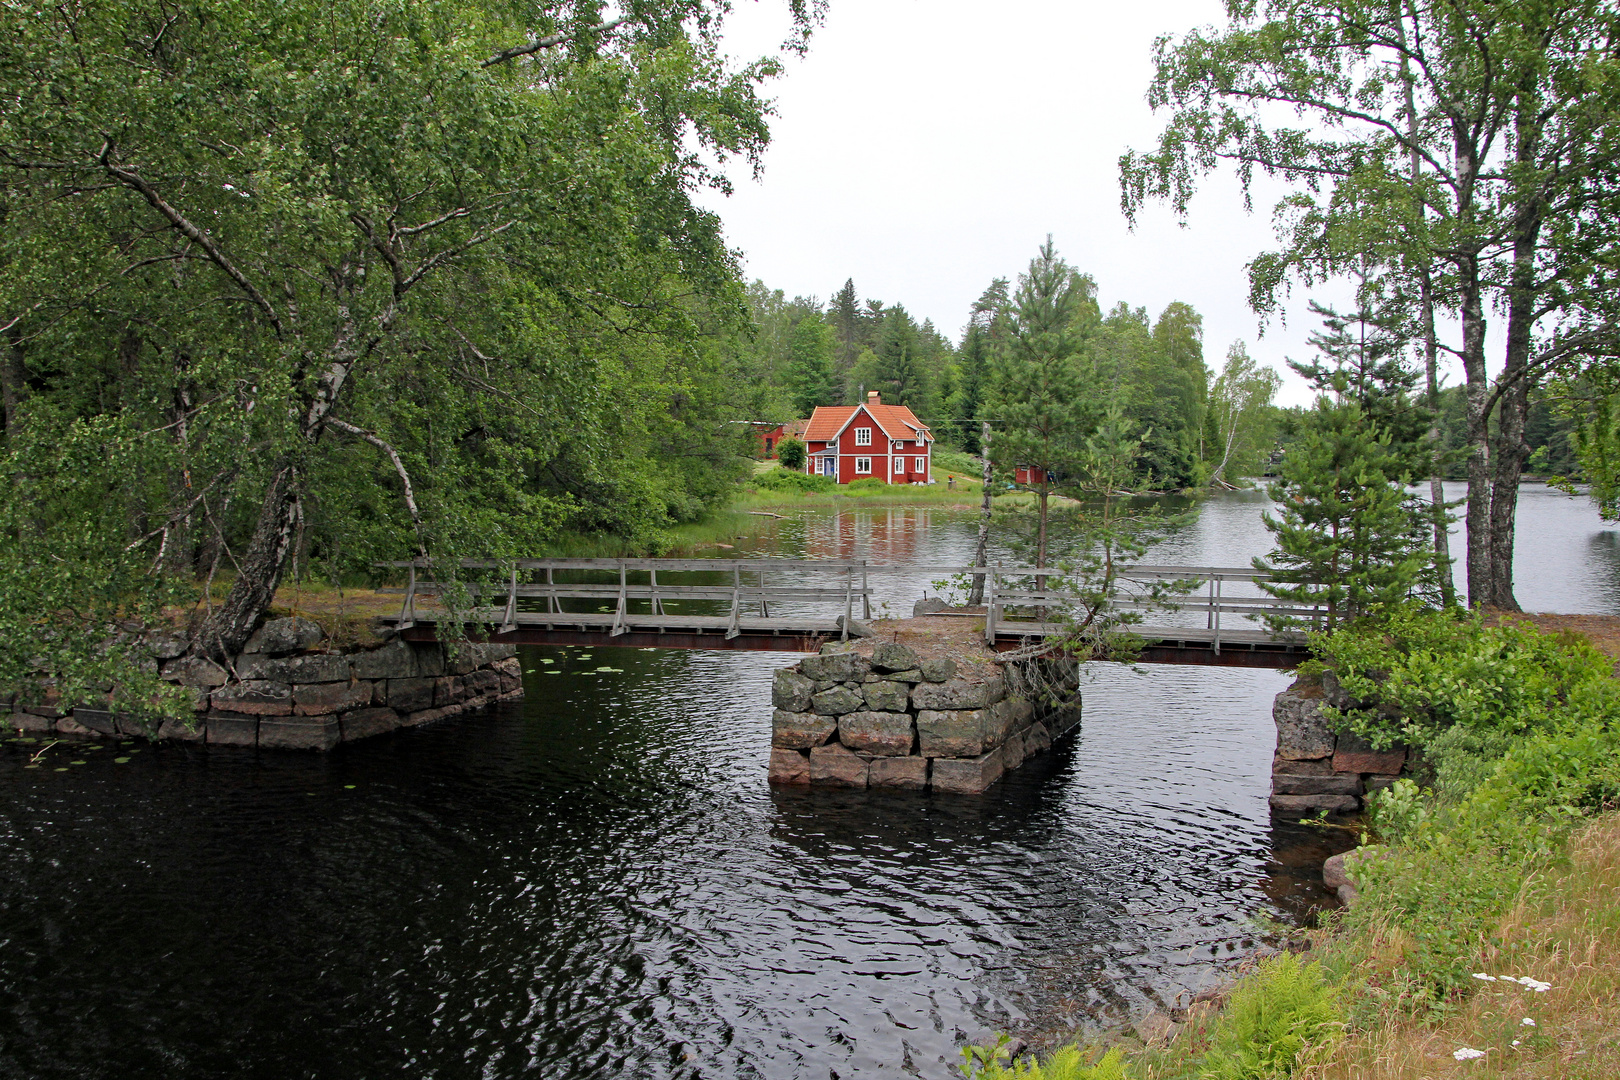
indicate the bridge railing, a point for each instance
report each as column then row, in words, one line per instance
column 751, row 585
column 851, row 586
column 1213, row 603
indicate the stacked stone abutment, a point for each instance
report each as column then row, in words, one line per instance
column 286, row 692
column 880, row 715
column 1316, row 768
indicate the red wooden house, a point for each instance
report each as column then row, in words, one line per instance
column 852, row 442
column 771, row 435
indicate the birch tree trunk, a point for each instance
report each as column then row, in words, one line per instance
column 982, row 551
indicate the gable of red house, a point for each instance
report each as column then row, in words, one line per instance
column 852, row 442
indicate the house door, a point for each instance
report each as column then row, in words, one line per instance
column 829, row 466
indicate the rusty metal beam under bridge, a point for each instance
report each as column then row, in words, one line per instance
column 1200, row 653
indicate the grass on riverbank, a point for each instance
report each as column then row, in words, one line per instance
column 1562, row 930
column 1512, row 871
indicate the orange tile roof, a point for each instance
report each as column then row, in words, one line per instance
column 895, row 421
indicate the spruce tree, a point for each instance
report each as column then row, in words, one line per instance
column 1347, row 538
column 845, row 312
column 1037, row 392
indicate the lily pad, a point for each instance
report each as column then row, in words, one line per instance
column 120, row 761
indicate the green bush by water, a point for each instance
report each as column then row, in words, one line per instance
column 1419, row 674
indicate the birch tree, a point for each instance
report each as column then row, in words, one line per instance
column 429, row 274
column 1468, row 144
column 1240, row 408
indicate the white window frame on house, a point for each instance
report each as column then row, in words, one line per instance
column 863, row 436
column 922, row 464
column 863, row 464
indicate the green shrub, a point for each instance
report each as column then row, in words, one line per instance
column 866, row 485
column 785, row 480
column 1397, row 812
column 1564, row 774
column 1278, row 1014
column 791, row 453
column 1419, row 673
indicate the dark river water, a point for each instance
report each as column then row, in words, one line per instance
column 598, row 882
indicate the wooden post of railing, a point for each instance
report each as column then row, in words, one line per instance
column 655, row 605
column 849, row 601
column 407, row 608
column 509, row 622
column 552, row 606
column 990, row 605
column 1209, row 615
column 1215, row 586
column 764, row 608
column 866, row 594
column 618, row 613
column 736, row 604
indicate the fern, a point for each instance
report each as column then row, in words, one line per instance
column 1275, row 1016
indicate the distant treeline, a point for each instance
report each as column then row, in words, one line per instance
column 806, row 352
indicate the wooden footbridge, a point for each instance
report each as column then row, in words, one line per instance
column 795, row 605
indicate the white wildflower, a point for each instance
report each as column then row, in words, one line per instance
column 1527, row 1022
column 1534, row 984
column 1482, row 977
column 1515, row 1042
column 1467, row 1053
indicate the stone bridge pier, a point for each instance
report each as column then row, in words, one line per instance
column 946, row 716
column 1317, row 768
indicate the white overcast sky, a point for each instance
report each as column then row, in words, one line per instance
column 923, row 148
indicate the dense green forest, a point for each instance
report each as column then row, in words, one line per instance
column 807, row 353
column 803, row 352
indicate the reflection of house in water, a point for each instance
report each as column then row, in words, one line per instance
column 878, row 534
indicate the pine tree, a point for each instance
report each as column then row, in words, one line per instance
column 1037, row 392
column 1347, row 538
column 1362, row 359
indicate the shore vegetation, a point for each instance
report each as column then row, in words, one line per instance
column 1485, row 930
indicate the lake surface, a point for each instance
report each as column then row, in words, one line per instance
column 598, row 882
